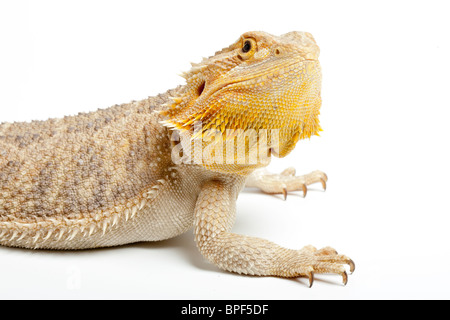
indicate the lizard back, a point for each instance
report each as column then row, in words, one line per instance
column 80, row 164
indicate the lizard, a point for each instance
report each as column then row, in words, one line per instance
column 152, row 169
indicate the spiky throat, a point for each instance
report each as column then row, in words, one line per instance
column 281, row 104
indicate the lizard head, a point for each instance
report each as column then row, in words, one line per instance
column 262, row 83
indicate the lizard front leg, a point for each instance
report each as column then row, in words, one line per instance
column 285, row 181
column 214, row 217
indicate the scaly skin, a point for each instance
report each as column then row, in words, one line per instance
column 119, row 175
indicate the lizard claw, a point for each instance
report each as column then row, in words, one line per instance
column 324, row 184
column 344, row 278
column 286, row 181
column 311, row 278
column 325, row 260
column 352, row 265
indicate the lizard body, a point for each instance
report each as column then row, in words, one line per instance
column 112, row 177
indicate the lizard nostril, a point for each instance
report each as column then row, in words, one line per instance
column 277, row 51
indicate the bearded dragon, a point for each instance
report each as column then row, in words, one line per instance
column 150, row 170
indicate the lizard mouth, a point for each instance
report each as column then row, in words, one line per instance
column 273, row 72
column 249, row 102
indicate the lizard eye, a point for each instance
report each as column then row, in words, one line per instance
column 247, row 46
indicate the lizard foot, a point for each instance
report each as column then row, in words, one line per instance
column 310, row 261
column 286, row 181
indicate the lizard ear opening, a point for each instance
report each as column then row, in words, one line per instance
column 183, row 111
column 201, row 88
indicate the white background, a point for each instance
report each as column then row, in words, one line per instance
column 385, row 145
